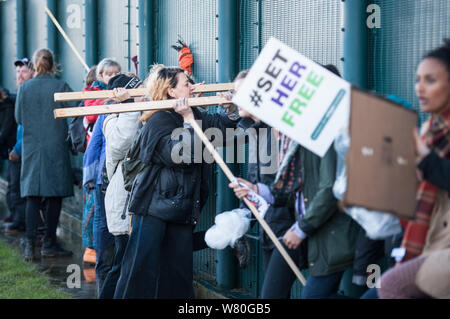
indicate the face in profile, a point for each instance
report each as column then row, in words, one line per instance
column 183, row 88
column 23, row 73
column 237, row 84
column 108, row 74
column 433, row 86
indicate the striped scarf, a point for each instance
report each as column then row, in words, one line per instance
column 437, row 137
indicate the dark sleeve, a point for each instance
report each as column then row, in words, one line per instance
column 220, row 121
column 436, row 170
column 7, row 124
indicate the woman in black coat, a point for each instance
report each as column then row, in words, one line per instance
column 168, row 194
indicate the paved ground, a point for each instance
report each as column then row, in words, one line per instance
column 56, row 268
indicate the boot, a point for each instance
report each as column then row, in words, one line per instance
column 52, row 249
column 29, row 250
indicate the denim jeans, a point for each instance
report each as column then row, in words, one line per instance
column 322, row 287
column 370, row 294
column 103, row 239
column 279, row 277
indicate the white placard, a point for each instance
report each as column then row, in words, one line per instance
column 297, row 96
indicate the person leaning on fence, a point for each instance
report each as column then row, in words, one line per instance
column 46, row 171
column 304, row 183
column 168, row 196
column 120, row 131
column 278, row 278
column 424, row 270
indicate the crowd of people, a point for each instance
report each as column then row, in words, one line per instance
column 141, row 206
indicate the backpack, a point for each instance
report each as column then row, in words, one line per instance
column 131, row 164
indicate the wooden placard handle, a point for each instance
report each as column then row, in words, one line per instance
column 262, row 222
column 58, row 26
column 135, row 107
column 106, row 94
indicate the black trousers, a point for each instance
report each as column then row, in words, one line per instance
column 52, row 210
column 16, row 204
column 158, row 260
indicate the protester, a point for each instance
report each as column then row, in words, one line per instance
column 105, row 70
column 427, row 239
column 263, row 142
column 167, row 197
column 46, row 172
column 119, row 131
column 87, row 232
column 304, row 183
column 10, row 133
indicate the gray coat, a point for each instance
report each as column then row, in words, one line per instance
column 46, row 169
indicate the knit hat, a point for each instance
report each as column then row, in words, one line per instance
column 185, row 57
column 123, row 81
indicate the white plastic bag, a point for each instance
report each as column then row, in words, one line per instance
column 229, row 227
column 376, row 224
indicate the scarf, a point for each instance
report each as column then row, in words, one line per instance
column 437, row 137
column 289, row 177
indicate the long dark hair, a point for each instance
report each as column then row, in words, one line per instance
column 442, row 54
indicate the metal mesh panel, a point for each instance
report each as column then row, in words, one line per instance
column 195, row 21
column 408, row 30
column 310, row 27
column 71, row 17
column 35, row 26
column 8, row 38
column 118, row 31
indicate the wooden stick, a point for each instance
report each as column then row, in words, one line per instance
column 105, row 94
column 252, row 208
column 52, row 17
column 134, row 107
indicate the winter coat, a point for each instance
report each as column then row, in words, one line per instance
column 120, row 131
column 7, row 125
column 90, row 120
column 331, row 233
column 172, row 191
column 46, row 169
column 94, row 157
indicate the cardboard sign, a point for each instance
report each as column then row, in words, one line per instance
column 381, row 167
column 297, row 96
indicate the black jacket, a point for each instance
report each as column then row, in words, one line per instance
column 436, row 170
column 174, row 192
column 8, row 125
column 259, row 136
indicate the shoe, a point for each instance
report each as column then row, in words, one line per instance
column 14, row 228
column 241, row 250
column 8, row 219
column 90, row 256
column 29, row 254
column 54, row 250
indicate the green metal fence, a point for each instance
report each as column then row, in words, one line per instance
column 105, row 28
column 408, row 30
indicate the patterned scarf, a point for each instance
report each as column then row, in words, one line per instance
column 437, row 137
column 289, row 176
